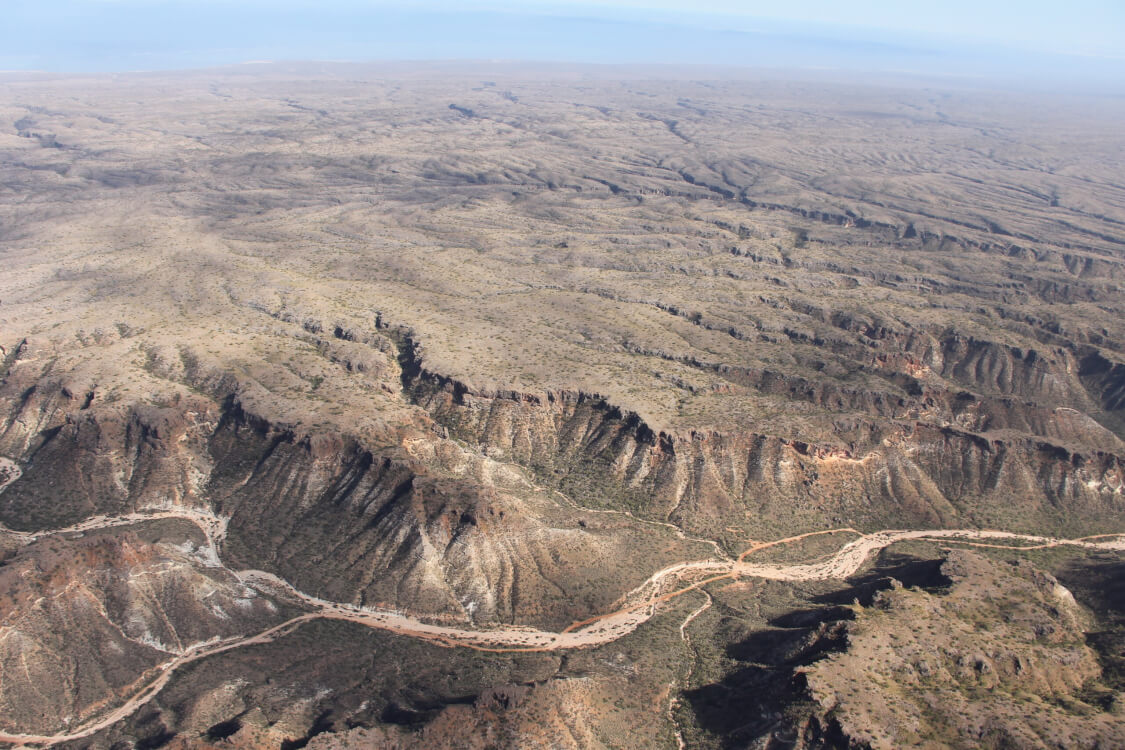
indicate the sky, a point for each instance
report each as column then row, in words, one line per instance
column 1085, row 27
column 1029, row 38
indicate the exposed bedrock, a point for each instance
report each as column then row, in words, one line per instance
column 862, row 365
column 452, row 533
column 382, row 528
column 83, row 620
column 439, row 502
column 887, row 472
column 112, row 459
column 1106, row 382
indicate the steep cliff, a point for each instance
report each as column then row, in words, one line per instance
column 889, row 472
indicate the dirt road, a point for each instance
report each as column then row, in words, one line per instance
column 639, row 605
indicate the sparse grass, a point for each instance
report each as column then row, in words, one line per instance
column 850, row 341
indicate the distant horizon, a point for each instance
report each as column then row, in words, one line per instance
column 562, row 70
column 118, row 36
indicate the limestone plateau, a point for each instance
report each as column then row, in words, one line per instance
column 488, row 406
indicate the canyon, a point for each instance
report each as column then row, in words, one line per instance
column 570, row 390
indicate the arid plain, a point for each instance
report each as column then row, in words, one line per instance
column 352, row 406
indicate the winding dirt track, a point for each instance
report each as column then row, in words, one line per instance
column 637, row 606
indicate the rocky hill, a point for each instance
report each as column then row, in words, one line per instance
column 492, row 352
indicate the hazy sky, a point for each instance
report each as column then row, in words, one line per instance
column 955, row 36
column 1091, row 27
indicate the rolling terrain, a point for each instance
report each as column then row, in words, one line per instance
column 356, row 406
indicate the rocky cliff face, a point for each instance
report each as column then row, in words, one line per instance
column 454, row 514
column 465, row 531
column 889, row 472
column 405, row 519
column 432, row 528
